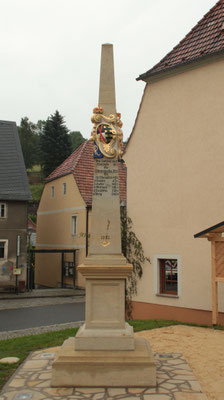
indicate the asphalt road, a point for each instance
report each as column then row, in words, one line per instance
column 33, row 317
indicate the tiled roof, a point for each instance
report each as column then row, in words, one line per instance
column 13, row 177
column 81, row 164
column 31, row 225
column 204, row 40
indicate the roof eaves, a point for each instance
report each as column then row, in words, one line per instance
column 209, row 229
column 56, row 177
column 195, row 62
column 14, row 197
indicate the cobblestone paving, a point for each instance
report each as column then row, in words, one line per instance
column 31, row 381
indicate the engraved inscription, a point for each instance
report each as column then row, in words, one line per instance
column 115, row 186
column 106, row 179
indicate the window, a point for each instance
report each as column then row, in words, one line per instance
column 3, row 249
column 52, row 191
column 2, row 210
column 167, row 275
column 64, row 188
column 74, row 225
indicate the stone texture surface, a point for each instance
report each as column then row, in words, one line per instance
column 106, row 235
column 190, row 396
column 105, row 279
column 107, row 83
column 9, row 360
column 101, row 311
column 104, row 368
column 105, row 339
column 35, row 383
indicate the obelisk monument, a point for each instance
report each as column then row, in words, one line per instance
column 104, row 351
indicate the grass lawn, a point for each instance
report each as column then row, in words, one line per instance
column 20, row 347
column 35, row 168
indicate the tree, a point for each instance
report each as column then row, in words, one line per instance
column 39, row 126
column 29, row 140
column 76, row 139
column 39, row 129
column 55, row 144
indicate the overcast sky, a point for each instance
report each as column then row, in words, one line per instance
column 50, row 53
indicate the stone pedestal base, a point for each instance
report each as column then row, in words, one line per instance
column 105, row 339
column 132, row 368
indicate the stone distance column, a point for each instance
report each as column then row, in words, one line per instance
column 105, row 269
column 104, row 351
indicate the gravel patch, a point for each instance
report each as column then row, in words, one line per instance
column 40, row 329
column 202, row 348
column 13, row 304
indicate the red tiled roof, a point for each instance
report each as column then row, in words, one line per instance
column 205, row 39
column 31, row 224
column 81, row 164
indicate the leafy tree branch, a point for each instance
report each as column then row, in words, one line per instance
column 134, row 253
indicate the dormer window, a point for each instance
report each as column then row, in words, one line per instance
column 3, row 210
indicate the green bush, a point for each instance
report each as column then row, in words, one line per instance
column 36, row 191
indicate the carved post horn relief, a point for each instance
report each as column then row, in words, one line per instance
column 106, row 135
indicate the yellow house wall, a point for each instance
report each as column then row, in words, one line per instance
column 175, row 161
column 54, row 223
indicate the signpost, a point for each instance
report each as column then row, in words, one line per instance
column 17, row 271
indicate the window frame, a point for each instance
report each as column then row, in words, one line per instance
column 74, row 232
column 5, row 241
column 52, row 191
column 64, row 188
column 157, row 274
column 5, row 212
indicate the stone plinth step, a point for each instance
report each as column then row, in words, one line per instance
column 131, row 368
column 105, row 339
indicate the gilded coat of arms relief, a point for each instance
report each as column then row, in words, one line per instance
column 106, row 135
